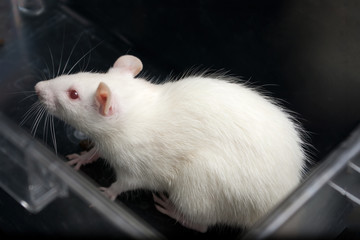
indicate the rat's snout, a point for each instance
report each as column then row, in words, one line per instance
column 45, row 95
column 38, row 91
column 38, row 88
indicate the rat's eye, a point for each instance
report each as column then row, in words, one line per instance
column 73, row 94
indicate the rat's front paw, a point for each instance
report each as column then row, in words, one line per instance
column 82, row 159
column 76, row 159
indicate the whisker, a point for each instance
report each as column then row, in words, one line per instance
column 37, row 121
column 45, row 127
column 61, row 56
column 52, row 62
column 22, row 92
column 48, row 69
column 88, row 62
column 43, row 76
column 27, row 97
column 30, row 112
column 25, row 77
column 82, row 66
column 39, row 111
column 89, row 58
column 34, row 74
column 92, row 49
column 52, row 131
column 71, row 52
column 38, row 73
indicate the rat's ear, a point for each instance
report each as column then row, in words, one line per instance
column 130, row 64
column 103, row 99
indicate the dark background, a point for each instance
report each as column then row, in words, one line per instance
column 305, row 53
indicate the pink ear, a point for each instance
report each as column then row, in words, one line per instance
column 129, row 63
column 103, row 98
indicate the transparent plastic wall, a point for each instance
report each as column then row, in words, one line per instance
column 35, row 177
column 326, row 205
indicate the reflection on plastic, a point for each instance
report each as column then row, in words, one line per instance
column 26, row 172
column 31, row 7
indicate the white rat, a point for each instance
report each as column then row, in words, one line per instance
column 224, row 153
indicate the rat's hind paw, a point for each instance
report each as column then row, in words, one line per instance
column 108, row 192
column 82, row 159
column 165, row 206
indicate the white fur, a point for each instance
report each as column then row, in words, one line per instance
column 223, row 152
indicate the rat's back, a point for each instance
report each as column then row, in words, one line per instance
column 241, row 152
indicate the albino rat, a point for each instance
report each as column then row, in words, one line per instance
column 224, row 153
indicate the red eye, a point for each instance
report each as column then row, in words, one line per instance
column 73, row 94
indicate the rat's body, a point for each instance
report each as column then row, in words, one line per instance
column 224, row 153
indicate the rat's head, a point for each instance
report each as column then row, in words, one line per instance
column 85, row 99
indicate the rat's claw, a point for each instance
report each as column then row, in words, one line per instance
column 75, row 159
column 83, row 158
column 108, row 193
column 72, row 156
column 165, row 206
